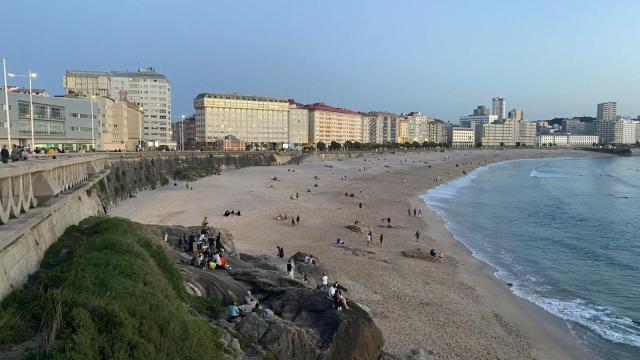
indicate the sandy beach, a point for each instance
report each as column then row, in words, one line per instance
column 455, row 309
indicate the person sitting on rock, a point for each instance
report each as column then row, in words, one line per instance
column 340, row 301
column 233, row 312
column 249, row 299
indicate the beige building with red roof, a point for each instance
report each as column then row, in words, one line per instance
column 328, row 123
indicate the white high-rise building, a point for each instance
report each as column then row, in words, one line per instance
column 499, row 107
column 152, row 91
column 146, row 88
column 607, row 111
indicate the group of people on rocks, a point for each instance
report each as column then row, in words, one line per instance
column 206, row 250
column 250, row 305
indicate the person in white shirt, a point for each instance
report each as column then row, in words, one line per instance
column 331, row 291
column 325, row 281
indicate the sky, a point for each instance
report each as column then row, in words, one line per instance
column 442, row 58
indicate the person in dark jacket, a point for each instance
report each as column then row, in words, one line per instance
column 4, row 154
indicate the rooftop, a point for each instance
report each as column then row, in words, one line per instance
column 325, row 107
column 239, row 97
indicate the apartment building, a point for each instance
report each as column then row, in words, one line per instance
column 509, row 133
column 298, row 125
column 566, row 140
column 255, row 120
column 460, row 137
column 87, row 83
column 121, row 124
column 328, row 123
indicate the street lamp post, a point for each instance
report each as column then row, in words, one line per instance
column 182, row 133
column 93, row 138
column 6, row 100
column 31, row 75
column 140, row 110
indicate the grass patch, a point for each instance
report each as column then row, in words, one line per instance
column 106, row 291
column 164, row 181
column 192, row 172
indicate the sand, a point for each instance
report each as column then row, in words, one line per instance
column 455, row 309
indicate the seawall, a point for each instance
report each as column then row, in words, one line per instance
column 25, row 239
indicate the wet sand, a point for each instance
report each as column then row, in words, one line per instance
column 455, row 309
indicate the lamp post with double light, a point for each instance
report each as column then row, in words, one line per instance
column 140, row 111
column 31, row 75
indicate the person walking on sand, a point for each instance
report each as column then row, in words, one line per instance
column 360, row 205
column 369, row 238
column 293, row 222
column 297, row 219
column 417, row 234
column 415, row 212
column 381, row 237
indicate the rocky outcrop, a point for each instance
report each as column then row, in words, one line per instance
column 302, row 324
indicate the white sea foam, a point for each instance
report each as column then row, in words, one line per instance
column 602, row 320
column 538, row 174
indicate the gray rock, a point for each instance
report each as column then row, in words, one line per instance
column 252, row 326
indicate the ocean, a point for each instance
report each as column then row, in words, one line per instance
column 565, row 232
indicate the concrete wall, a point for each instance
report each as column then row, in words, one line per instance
column 24, row 240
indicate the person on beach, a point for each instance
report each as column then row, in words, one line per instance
column 415, row 212
column 381, row 238
column 440, row 255
column 360, row 205
column 205, row 222
column 297, row 219
column 293, row 222
column 369, row 238
column 290, row 268
column 419, row 212
column 388, row 222
column 324, row 281
column 339, row 242
column 417, row 234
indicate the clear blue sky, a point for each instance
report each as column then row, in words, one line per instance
column 550, row 58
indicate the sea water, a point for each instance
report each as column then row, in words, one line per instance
column 565, row 232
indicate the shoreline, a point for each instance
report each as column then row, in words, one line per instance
column 548, row 335
column 458, row 308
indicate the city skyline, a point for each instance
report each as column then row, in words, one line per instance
column 438, row 59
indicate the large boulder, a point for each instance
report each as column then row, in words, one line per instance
column 305, row 324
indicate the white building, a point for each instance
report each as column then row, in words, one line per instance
column 509, row 133
column 256, row 120
column 298, row 126
column 460, row 137
column 607, row 111
column 476, row 122
column 625, row 132
column 152, row 91
column 499, row 107
column 566, row 140
column 146, row 87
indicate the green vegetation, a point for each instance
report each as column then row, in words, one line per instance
column 164, row 181
column 192, row 172
column 106, row 291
